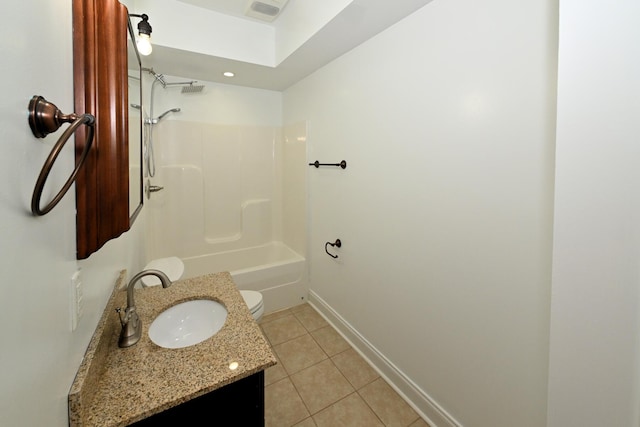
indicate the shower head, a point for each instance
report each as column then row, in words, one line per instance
column 187, row 87
column 161, row 116
column 191, row 88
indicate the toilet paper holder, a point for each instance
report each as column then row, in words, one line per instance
column 337, row 243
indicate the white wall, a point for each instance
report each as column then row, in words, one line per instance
column 447, row 123
column 225, row 147
column 216, row 159
column 219, row 191
column 293, row 153
column 40, row 354
column 594, row 358
column 300, row 20
column 218, row 104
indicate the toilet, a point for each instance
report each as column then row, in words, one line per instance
column 253, row 299
column 173, row 267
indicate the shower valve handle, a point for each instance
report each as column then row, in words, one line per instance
column 148, row 189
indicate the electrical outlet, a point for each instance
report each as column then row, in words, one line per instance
column 76, row 305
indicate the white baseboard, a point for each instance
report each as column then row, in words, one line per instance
column 420, row 401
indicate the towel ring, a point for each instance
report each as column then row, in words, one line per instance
column 337, row 243
column 45, row 118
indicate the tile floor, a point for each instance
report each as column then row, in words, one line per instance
column 321, row 381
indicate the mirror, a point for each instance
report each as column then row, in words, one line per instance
column 100, row 87
column 136, row 124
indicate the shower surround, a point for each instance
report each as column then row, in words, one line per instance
column 233, row 199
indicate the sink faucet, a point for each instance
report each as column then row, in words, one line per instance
column 131, row 323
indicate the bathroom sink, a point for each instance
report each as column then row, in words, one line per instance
column 187, row 323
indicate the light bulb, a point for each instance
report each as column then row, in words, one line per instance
column 144, row 44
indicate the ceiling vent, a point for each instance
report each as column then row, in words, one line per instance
column 265, row 10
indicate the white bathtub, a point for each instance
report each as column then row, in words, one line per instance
column 273, row 269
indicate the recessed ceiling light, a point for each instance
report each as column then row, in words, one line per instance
column 228, row 74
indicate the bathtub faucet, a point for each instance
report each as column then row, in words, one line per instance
column 131, row 323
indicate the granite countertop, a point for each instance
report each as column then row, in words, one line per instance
column 118, row 386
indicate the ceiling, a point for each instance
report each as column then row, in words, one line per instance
column 228, row 7
column 358, row 21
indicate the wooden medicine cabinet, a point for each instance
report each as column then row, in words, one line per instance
column 100, row 63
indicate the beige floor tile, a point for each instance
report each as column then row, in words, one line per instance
column 298, row 307
column 387, row 404
column 355, row 369
column 321, row 385
column 351, row 411
column 274, row 373
column 317, row 373
column 306, row 423
column 310, row 318
column 275, row 315
column 420, row 423
column 282, row 405
column 283, row 329
column 330, row 340
column 299, row 353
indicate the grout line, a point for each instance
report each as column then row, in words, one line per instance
column 330, row 358
column 298, row 393
column 369, row 406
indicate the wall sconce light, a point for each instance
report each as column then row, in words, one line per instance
column 144, row 34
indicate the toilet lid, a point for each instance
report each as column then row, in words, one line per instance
column 253, row 299
column 173, row 267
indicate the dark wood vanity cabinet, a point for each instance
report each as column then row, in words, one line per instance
column 240, row 403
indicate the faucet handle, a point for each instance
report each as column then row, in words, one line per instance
column 119, row 311
column 131, row 328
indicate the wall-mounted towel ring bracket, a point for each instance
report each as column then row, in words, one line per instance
column 45, row 118
column 337, row 243
column 317, row 164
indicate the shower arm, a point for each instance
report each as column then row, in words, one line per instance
column 182, row 83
